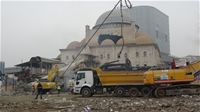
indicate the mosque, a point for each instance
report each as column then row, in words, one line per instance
column 107, row 43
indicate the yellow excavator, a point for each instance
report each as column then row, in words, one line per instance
column 176, row 81
column 53, row 78
column 48, row 82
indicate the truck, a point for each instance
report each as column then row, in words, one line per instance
column 111, row 77
column 122, row 78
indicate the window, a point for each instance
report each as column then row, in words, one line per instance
column 137, row 54
column 108, row 55
column 101, row 56
column 80, row 76
column 73, row 57
column 125, row 55
column 67, row 57
column 145, row 53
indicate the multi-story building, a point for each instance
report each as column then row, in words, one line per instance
column 153, row 22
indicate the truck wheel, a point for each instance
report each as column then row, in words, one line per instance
column 146, row 91
column 86, row 92
column 120, row 92
column 133, row 92
column 153, row 92
column 160, row 93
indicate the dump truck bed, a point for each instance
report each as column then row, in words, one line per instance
column 129, row 77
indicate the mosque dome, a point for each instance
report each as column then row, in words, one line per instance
column 107, row 42
column 126, row 41
column 141, row 34
column 115, row 17
column 83, row 42
column 144, row 40
column 73, row 44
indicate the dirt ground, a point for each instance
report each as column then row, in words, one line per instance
column 66, row 102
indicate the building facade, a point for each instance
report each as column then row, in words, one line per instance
column 153, row 22
column 106, row 44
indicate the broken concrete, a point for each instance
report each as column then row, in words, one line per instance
column 76, row 103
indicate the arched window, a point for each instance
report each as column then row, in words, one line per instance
column 137, row 54
column 125, row 55
column 108, row 55
column 145, row 53
column 67, row 57
column 101, row 56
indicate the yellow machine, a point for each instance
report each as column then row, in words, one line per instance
column 121, row 78
column 48, row 82
column 178, row 80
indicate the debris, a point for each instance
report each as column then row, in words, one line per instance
column 108, row 104
column 64, row 99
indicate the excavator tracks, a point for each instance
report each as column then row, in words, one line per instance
column 183, row 89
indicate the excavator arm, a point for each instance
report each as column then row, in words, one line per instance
column 194, row 67
column 52, row 72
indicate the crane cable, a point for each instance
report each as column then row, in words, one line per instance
column 92, row 36
column 120, row 1
column 129, row 6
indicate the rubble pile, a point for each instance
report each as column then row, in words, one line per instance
column 15, row 105
column 22, row 88
column 173, row 104
column 184, row 103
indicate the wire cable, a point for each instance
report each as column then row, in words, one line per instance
column 92, row 36
column 121, row 6
column 120, row 1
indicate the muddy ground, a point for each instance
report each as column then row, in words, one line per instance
column 66, row 102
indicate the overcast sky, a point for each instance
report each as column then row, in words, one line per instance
column 41, row 28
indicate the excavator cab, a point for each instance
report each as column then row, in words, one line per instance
column 113, row 66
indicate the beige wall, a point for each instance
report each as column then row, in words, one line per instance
column 152, row 57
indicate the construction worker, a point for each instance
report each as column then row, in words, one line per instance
column 58, row 88
column 39, row 90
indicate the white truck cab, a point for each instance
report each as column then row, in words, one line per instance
column 83, row 79
column 87, row 83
